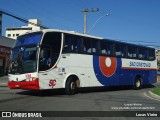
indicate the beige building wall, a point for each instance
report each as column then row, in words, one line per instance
column 16, row 31
column 158, row 58
column 158, row 55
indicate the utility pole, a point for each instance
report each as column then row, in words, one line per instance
column 85, row 18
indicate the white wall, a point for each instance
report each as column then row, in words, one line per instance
column 15, row 33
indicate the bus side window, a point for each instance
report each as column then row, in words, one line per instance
column 77, row 44
column 110, row 48
column 106, row 48
column 132, row 51
column 141, row 53
column 95, row 46
column 51, row 46
column 118, row 50
column 103, row 46
column 68, row 44
column 45, row 58
column 87, row 45
column 124, row 50
column 151, row 54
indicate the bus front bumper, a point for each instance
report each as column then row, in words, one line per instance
column 27, row 85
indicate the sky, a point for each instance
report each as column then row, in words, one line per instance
column 136, row 21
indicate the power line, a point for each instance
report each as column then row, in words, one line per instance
column 28, row 8
column 21, row 19
column 55, row 15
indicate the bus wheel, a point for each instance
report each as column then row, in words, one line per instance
column 71, row 86
column 137, row 84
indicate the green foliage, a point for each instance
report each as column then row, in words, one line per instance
column 156, row 91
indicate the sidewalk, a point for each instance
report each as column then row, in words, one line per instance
column 4, row 81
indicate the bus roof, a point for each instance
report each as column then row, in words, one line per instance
column 71, row 32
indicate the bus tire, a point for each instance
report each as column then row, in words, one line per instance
column 71, row 86
column 137, row 83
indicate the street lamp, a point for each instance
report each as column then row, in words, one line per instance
column 97, row 21
column 85, row 11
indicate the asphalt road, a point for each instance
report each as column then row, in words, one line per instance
column 88, row 99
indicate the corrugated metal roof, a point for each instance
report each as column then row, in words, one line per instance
column 8, row 42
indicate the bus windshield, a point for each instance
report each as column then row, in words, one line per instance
column 28, row 39
column 24, row 54
column 24, row 60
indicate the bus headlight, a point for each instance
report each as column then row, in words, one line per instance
column 34, row 78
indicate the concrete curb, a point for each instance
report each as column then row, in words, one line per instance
column 3, row 85
column 4, row 81
column 154, row 95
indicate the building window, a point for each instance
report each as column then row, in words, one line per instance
column 13, row 35
column 9, row 35
column 17, row 35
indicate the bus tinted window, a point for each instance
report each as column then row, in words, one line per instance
column 68, row 43
column 103, row 46
column 72, row 43
column 123, row 50
column 95, row 46
column 50, row 50
column 132, row 51
column 106, row 48
column 110, row 48
column 151, row 54
column 87, row 45
column 142, row 53
column 77, row 44
column 118, row 51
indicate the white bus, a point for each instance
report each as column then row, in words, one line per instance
column 52, row 59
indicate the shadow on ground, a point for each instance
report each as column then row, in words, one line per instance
column 60, row 92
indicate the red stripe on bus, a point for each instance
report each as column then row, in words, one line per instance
column 131, row 68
